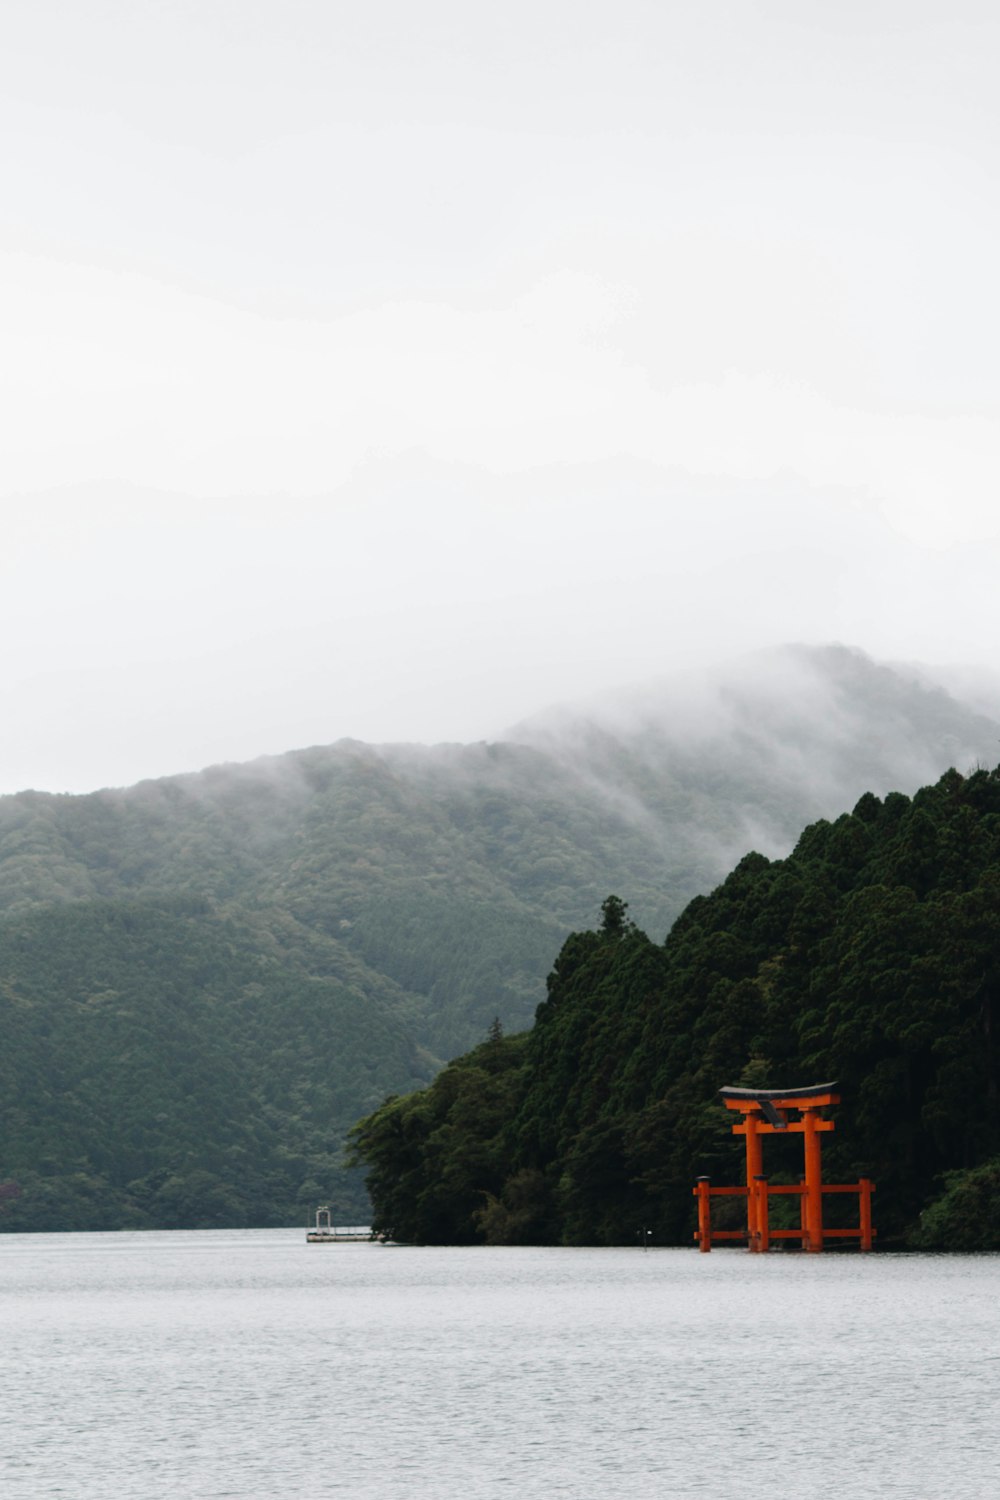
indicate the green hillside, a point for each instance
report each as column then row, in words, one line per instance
column 287, row 941
column 871, row 955
column 157, row 1071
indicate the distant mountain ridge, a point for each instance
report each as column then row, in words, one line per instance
column 401, row 896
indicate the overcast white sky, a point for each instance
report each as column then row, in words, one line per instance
column 394, row 369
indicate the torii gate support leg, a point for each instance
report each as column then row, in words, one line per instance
column 763, row 1222
column 704, row 1216
column 814, row 1182
column 755, row 1163
column 865, row 1203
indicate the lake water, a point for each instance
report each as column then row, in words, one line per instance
column 248, row 1364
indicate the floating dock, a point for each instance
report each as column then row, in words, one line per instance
column 324, row 1232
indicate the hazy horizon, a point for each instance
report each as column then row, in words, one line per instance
column 788, row 689
column 395, row 375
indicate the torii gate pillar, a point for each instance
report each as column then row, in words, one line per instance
column 814, row 1177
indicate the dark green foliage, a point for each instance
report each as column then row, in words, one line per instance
column 967, row 1214
column 437, row 1158
column 871, row 955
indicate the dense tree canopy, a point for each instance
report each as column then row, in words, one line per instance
column 871, row 955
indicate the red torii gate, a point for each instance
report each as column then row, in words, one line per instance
column 766, row 1112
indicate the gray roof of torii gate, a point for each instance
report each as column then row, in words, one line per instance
column 817, row 1088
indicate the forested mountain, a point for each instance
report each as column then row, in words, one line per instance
column 161, row 1068
column 278, row 945
column 871, row 955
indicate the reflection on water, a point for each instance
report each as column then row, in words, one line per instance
column 248, row 1364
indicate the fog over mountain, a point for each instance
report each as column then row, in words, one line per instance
column 769, row 742
column 276, row 945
